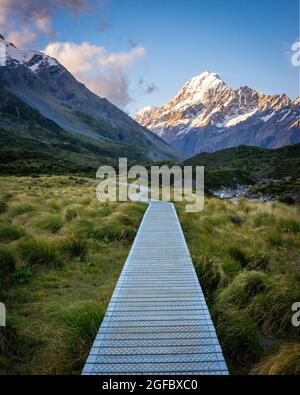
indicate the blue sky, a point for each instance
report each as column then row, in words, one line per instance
column 246, row 42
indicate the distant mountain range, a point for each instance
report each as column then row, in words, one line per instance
column 44, row 108
column 207, row 115
column 46, row 113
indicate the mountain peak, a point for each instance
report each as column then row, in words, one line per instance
column 197, row 91
column 145, row 110
column 204, row 80
column 13, row 56
column 207, row 114
column 206, row 74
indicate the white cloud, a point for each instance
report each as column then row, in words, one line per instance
column 104, row 73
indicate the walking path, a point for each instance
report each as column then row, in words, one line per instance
column 157, row 321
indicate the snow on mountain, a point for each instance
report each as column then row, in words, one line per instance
column 207, row 114
column 10, row 55
column 196, row 91
column 143, row 111
column 236, row 119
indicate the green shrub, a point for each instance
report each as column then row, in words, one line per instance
column 22, row 274
column 286, row 199
column 10, row 232
column 40, row 252
column 51, row 223
column 71, row 214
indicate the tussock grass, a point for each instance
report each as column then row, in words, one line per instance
column 3, row 206
column 264, row 219
column 20, row 209
column 285, row 362
column 50, row 223
column 40, row 252
column 15, row 342
column 243, row 289
column 246, row 256
column 272, row 309
column 240, row 337
column 209, row 272
column 75, row 246
column 111, row 232
column 85, row 228
column 61, row 273
column 81, row 322
column 9, row 232
column 7, row 264
column 289, row 225
column 71, row 213
column 239, row 254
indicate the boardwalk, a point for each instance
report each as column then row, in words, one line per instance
column 157, row 321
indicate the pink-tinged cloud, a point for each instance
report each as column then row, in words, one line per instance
column 22, row 38
column 104, row 73
column 18, row 15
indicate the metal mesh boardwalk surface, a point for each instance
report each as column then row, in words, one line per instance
column 157, row 321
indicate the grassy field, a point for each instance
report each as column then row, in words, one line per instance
column 247, row 257
column 61, row 252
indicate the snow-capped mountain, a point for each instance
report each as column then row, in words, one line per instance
column 42, row 83
column 208, row 115
column 12, row 56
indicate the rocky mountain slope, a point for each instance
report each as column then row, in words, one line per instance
column 207, row 115
column 46, row 86
column 30, row 143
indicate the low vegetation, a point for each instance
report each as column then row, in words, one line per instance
column 61, row 253
column 271, row 172
column 247, row 257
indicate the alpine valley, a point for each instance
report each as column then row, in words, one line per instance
column 207, row 115
column 46, row 114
